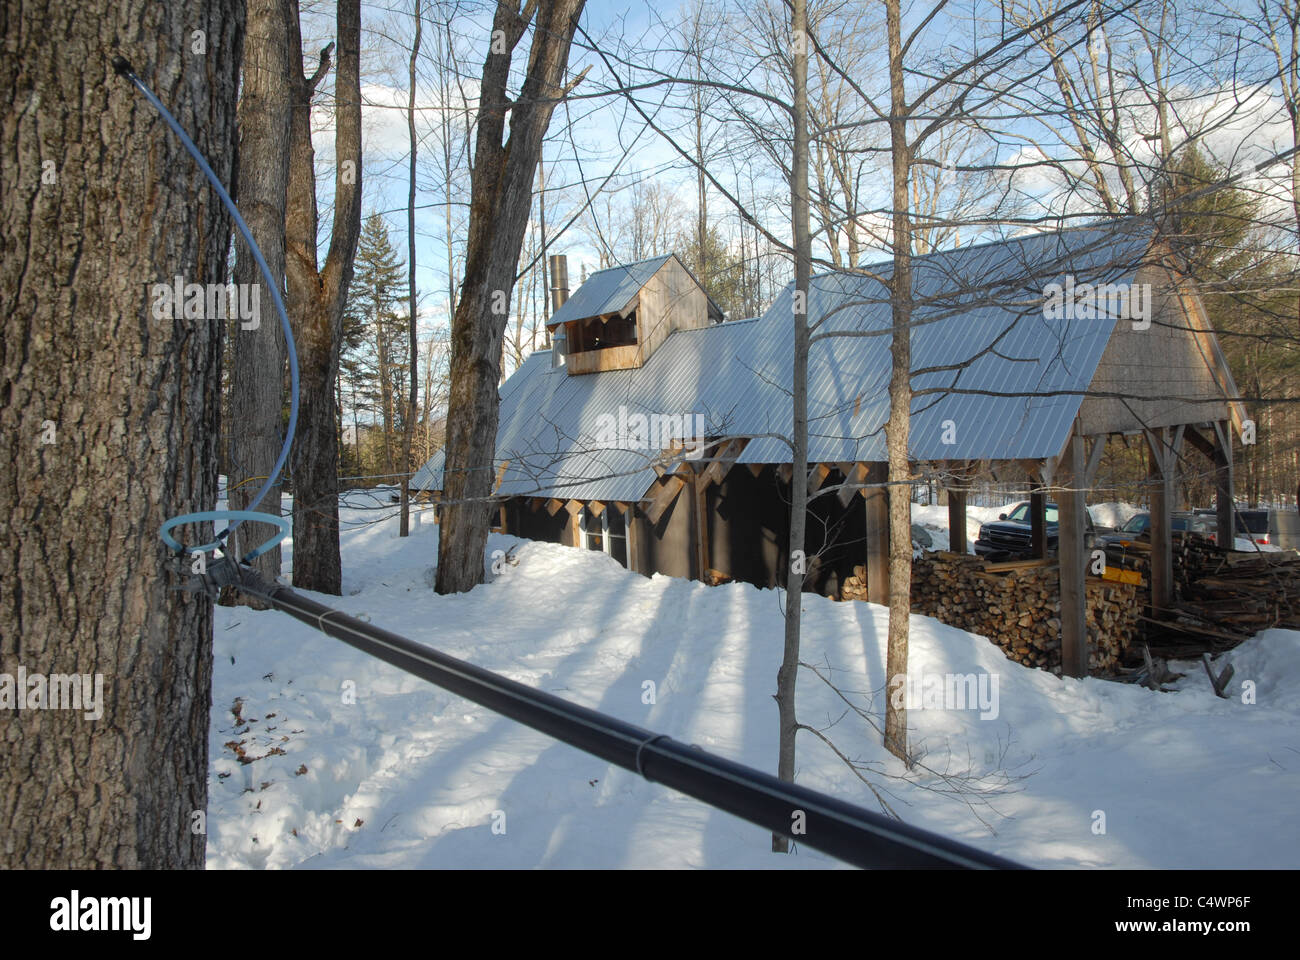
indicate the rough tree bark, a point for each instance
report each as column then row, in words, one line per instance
column 317, row 297
column 500, row 201
column 256, row 427
column 900, row 402
column 788, row 674
column 109, row 420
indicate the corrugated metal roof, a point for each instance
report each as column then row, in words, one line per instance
column 978, row 326
column 607, row 291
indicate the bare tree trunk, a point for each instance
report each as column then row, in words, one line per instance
column 501, row 200
column 257, row 379
column 788, row 674
column 316, row 297
column 385, row 381
column 101, row 445
column 413, row 393
column 900, row 403
column 541, row 217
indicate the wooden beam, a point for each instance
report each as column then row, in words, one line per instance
column 756, row 469
column 1095, row 449
column 817, row 477
column 1038, row 523
column 724, row 460
column 633, row 526
column 501, row 473
column 1199, row 441
column 957, row 519
column 1160, row 485
column 663, row 499
column 1223, row 493
column 785, row 471
column 700, row 522
column 596, row 507
column 553, row 506
column 877, row 508
column 854, row 474
column 535, row 503
column 1072, row 561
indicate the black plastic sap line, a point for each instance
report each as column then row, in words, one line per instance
column 832, row 826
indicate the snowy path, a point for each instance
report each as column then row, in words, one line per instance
column 406, row 775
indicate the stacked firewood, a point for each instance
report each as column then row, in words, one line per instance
column 1228, row 596
column 1017, row 605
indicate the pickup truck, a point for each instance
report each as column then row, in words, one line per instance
column 1010, row 536
column 1138, row 528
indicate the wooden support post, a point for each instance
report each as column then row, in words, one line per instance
column 1071, row 499
column 1038, row 524
column 572, row 527
column 1092, row 461
column 956, row 519
column 632, row 523
column 700, row 518
column 877, row 534
column 1160, row 490
column 1223, row 493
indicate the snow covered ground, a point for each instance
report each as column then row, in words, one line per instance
column 355, row 764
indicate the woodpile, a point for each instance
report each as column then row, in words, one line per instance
column 1223, row 597
column 1017, row 605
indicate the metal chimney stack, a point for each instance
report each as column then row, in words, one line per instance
column 559, row 264
column 559, row 271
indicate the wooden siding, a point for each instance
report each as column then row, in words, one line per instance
column 670, row 300
column 611, row 358
column 1165, row 364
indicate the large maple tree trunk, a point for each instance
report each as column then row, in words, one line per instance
column 256, row 427
column 100, row 202
column 500, row 202
column 317, row 297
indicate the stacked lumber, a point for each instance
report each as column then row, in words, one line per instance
column 1017, row 605
column 1226, row 596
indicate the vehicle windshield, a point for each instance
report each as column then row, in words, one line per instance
column 1137, row 523
column 1021, row 512
column 1141, row 522
column 1256, row 521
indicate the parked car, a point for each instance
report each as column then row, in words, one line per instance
column 1010, row 536
column 1137, row 528
column 1277, row 528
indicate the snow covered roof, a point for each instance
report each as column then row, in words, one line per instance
column 979, row 330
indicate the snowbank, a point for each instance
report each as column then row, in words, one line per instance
column 351, row 763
